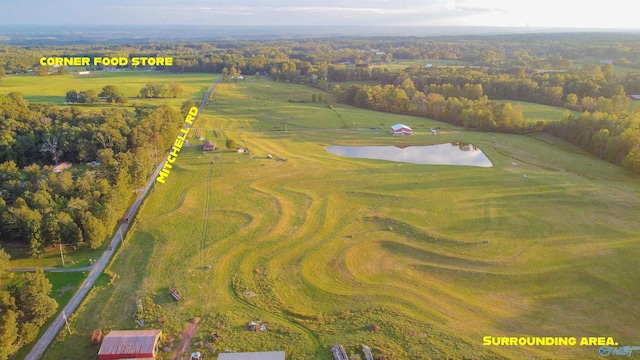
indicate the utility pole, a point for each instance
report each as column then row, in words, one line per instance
column 61, row 255
column 64, row 316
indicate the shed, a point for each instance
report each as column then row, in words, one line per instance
column 240, row 149
column 400, row 129
column 634, row 97
column 61, row 167
column 130, row 344
column 209, row 146
column 267, row 355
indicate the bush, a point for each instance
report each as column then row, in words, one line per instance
column 28, row 333
column 231, row 144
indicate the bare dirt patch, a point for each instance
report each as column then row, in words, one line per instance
column 65, row 288
column 189, row 332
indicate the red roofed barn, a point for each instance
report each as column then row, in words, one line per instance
column 400, row 129
column 130, row 344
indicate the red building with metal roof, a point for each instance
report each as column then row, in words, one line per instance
column 130, row 344
column 400, row 129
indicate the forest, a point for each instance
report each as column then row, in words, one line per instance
column 41, row 207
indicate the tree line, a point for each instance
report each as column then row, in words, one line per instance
column 479, row 113
column 111, row 94
column 612, row 135
column 23, row 309
column 517, row 53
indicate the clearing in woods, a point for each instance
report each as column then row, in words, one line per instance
column 355, row 251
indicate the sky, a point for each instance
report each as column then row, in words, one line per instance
column 610, row 14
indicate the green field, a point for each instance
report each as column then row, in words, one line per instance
column 403, row 64
column 323, row 247
column 533, row 112
column 52, row 89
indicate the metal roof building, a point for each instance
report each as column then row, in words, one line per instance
column 400, row 129
column 269, row 355
column 130, row 344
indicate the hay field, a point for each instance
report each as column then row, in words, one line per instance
column 52, row 89
column 323, row 247
column 533, row 112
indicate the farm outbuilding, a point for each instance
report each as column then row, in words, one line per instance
column 400, row 129
column 130, row 344
column 268, row 355
column 61, row 167
column 209, row 146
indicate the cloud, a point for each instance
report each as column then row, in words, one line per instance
column 319, row 12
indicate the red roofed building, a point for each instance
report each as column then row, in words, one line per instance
column 130, row 344
column 400, row 129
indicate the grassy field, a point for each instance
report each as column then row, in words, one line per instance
column 52, row 89
column 323, row 247
column 533, row 112
column 403, row 64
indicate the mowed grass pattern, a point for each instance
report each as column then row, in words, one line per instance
column 323, row 247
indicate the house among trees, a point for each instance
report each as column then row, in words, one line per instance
column 130, row 344
column 61, row 167
column 400, row 129
column 209, row 146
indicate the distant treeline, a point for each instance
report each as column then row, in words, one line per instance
column 526, row 51
column 82, row 204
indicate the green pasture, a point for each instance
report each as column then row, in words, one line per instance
column 52, row 89
column 265, row 105
column 533, row 112
column 74, row 257
column 323, row 248
column 403, row 64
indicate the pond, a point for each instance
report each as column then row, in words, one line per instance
column 441, row 154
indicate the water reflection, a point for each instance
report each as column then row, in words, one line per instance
column 441, row 154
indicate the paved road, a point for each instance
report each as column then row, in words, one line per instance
column 98, row 267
